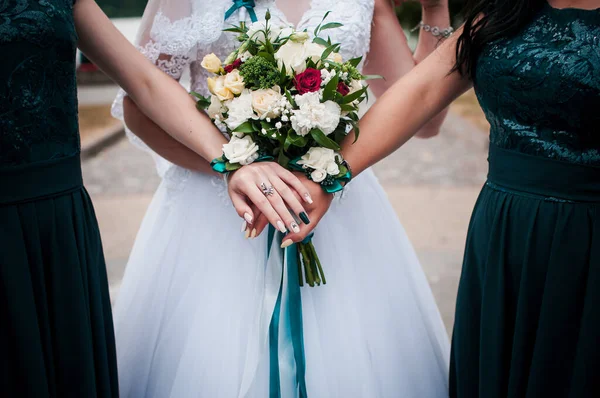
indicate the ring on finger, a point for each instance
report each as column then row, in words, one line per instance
column 267, row 190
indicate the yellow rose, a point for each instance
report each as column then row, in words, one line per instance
column 335, row 57
column 264, row 102
column 211, row 63
column 216, row 85
column 234, row 82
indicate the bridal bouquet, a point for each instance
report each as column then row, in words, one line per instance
column 288, row 96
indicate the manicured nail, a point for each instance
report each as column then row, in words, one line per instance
column 253, row 234
column 281, row 227
column 287, row 243
column 248, row 218
column 304, row 218
column 247, row 234
column 244, row 226
column 308, row 199
column 295, row 227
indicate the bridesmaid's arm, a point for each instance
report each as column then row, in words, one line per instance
column 406, row 107
column 396, row 117
column 161, row 142
column 391, row 56
column 170, row 107
column 163, row 99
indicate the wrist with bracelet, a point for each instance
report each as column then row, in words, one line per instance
column 435, row 30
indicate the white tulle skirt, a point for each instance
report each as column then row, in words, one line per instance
column 194, row 288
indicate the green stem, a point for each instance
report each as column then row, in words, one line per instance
column 318, row 261
column 306, row 260
column 299, row 266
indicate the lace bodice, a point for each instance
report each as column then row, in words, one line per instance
column 540, row 89
column 38, row 101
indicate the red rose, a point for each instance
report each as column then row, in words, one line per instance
column 343, row 88
column 308, row 81
column 234, row 65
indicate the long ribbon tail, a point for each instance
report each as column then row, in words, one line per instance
column 286, row 344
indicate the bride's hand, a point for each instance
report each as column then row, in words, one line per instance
column 272, row 190
column 315, row 213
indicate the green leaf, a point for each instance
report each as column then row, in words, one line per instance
column 318, row 28
column 290, row 99
column 356, row 130
column 246, row 127
column 331, row 88
column 320, row 41
column 332, row 48
column 294, row 139
column 282, row 159
column 203, row 102
column 331, row 25
column 347, row 108
column 232, row 166
column 323, row 140
column 355, row 61
column 269, row 57
column 373, row 77
column 354, row 96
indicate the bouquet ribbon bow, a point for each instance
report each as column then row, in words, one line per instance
column 237, row 4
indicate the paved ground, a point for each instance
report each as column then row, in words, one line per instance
column 432, row 184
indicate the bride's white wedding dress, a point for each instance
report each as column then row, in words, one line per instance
column 196, row 301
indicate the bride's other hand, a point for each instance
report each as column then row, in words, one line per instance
column 272, row 190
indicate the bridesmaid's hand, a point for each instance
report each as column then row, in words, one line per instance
column 247, row 188
column 314, row 214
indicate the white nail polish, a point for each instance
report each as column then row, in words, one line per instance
column 247, row 234
column 244, row 226
column 295, row 227
column 248, row 218
column 281, row 227
column 308, row 198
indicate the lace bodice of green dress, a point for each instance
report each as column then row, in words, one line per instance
column 38, row 101
column 540, row 90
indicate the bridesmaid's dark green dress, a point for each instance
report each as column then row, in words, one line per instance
column 528, row 309
column 56, row 333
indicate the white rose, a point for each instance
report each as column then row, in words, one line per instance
column 311, row 113
column 299, row 37
column 241, row 150
column 256, row 31
column 292, row 55
column 216, row 85
column 333, row 169
column 265, row 101
column 245, row 56
column 215, row 108
column 234, row 82
column 318, row 175
column 211, row 63
column 318, row 158
column 287, row 32
column 240, row 110
column 313, row 51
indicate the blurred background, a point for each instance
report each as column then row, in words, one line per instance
column 432, row 184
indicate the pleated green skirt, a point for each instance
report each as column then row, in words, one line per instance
column 56, row 334
column 528, row 308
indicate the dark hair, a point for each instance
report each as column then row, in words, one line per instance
column 487, row 21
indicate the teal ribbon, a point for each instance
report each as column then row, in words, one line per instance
column 220, row 164
column 335, row 186
column 293, row 318
column 247, row 4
